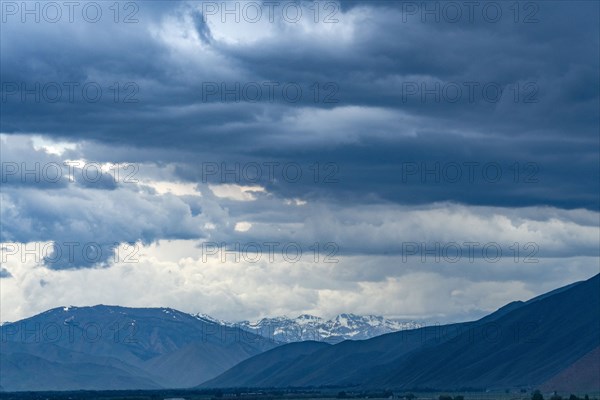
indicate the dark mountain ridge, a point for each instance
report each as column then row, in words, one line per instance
column 523, row 344
column 111, row 347
column 550, row 341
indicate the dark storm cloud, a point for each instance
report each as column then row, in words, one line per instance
column 380, row 134
column 410, row 129
column 86, row 225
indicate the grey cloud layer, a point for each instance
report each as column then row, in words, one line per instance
column 144, row 210
column 387, row 158
column 373, row 56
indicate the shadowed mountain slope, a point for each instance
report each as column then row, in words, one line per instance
column 523, row 344
column 109, row 347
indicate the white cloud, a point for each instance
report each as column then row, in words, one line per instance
column 242, row 226
column 50, row 146
column 176, row 274
column 176, row 188
column 296, row 202
column 236, row 192
column 170, row 222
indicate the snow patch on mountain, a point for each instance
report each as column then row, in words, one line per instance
column 309, row 327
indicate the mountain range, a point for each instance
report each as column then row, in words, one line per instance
column 109, row 347
column 544, row 342
column 309, row 327
column 551, row 342
column 112, row 347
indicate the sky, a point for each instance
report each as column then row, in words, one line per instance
column 417, row 160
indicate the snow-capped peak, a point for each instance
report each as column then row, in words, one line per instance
column 208, row 318
column 309, row 327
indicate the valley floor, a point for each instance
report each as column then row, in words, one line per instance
column 270, row 395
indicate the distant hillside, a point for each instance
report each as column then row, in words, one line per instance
column 111, row 347
column 106, row 347
column 521, row 345
column 271, row 362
